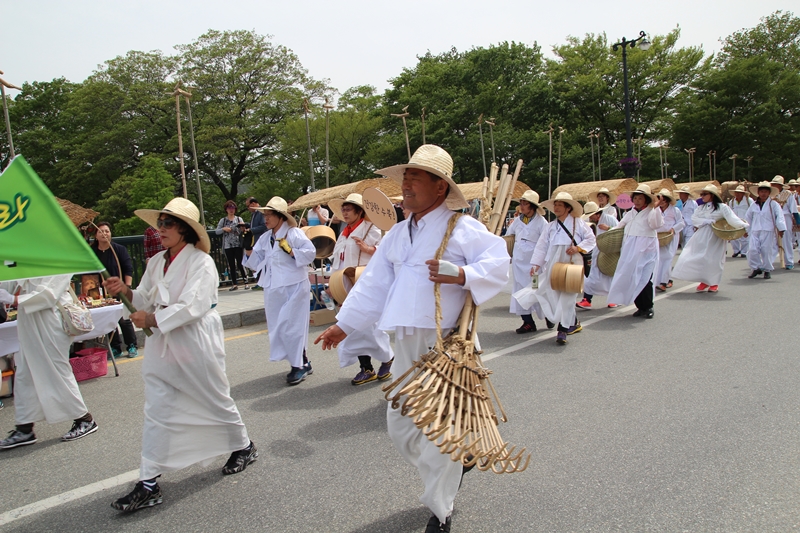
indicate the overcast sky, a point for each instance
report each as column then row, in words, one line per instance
column 349, row 42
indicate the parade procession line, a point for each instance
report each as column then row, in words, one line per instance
column 127, row 477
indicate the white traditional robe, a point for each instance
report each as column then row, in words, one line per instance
column 673, row 220
column 764, row 220
column 789, row 210
column 611, row 211
column 44, row 385
column 740, row 245
column 525, row 238
column 703, row 258
column 368, row 341
column 639, row 255
column 287, row 291
column 189, row 415
column 687, row 211
column 597, row 282
column 395, row 290
column 558, row 306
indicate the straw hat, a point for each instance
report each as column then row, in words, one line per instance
column 565, row 197
column 764, row 185
column 279, row 205
column 592, row 197
column 589, row 209
column 438, row 162
column 666, row 193
column 183, row 209
column 533, row 198
column 713, row 190
column 792, row 182
column 741, row 188
column 685, row 190
column 778, row 179
column 643, row 189
column 352, row 198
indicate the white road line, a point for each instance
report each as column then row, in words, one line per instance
column 133, row 475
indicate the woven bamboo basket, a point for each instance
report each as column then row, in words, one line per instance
column 342, row 281
column 581, row 191
column 664, row 238
column 323, row 238
column 567, row 277
column 726, row 232
column 607, row 263
column 610, row 242
column 77, row 214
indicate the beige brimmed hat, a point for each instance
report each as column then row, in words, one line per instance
column 740, row 188
column 352, row 198
column 577, row 209
column 685, row 190
column 532, row 197
column 589, row 209
column 592, row 197
column 713, row 190
column 666, row 193
column 778, row 179
column 437, row 161
column 764, row 185
column 643, row 189
column 279, row 205
column 792, row 182
column 183, row 209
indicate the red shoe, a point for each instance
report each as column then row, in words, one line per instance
column 702, row 287
column 713, row 288
column 613, row 306
column 584, row 304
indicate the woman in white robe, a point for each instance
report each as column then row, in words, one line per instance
column 189, row 415
column 526, row 229
column 355, row 246
column 605, row 202
column 633, row 279
column 673, row 221
column 556, row 246
column 281, row 258
column 703, row 257
column 44, row 384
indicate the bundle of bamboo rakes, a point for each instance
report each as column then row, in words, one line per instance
column 447, row 392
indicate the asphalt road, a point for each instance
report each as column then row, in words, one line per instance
column 687, row 422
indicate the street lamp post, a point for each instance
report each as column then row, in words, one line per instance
column 644, row 44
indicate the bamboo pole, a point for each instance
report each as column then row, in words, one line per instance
column 308, row 137
column 177, row 94
column 187, row 96
column 3, row 85
column 403, row 116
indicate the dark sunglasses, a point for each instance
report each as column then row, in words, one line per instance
column 168, row 223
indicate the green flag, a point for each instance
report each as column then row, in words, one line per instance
column 37, row 237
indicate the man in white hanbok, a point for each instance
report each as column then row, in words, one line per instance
column 396, row 291
column 44, row 384
column 563, row 241
column 526, row 229
column 355, row 246
column 633, row 279
column 673, row 222
column 189, row 415
column 703, row 259
column 597, row 282
column 281, row 258
column 739, row 204
column 767, row 225
column 788, row 204
column 688, row 205
column 795, row 227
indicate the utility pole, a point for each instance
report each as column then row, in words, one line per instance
column 327, row 108
column 734, row 157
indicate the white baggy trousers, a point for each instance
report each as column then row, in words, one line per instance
column 439, row 473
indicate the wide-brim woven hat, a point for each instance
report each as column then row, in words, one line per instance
column 791, row 182
column 437, row 161
column 577, row 209
column 352, row 198
column 279, row 205
column 741, row 188
column 777, row 180
column 532, row 197
column 713, row 189
column 182, row 209
column 666, row 193
column 589, row 209
column 643, row 189
column 592, row 197
column 685, row 190
column 764, row 185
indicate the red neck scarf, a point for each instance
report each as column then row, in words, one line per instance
column 350, row 228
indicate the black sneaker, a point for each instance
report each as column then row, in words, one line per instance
column 434, row 526
column 755, row 273
column 16, row 438
column 549, row 324
column 767, row 275
column 306, row 366
column 138, row 498
column 238, row 461
column 526, row 327
column 79, row 430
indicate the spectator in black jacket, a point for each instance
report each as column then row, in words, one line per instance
column 118, row 263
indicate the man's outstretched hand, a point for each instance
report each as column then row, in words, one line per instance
column 331, row 337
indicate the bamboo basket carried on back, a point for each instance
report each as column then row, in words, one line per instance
column 447, row 392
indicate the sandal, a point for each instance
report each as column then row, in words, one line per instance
column 662, row 287
column 669, row 284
